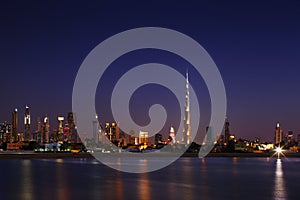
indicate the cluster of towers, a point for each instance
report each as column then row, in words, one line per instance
column 10, row 132
column 66, row 131
column 281, row 139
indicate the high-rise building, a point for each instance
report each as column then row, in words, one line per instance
column 5, row 132
column 172, row 135
column 14, row 125
column 27, row 124
column 117, row 131
column 158, row 139
column 122, row 139
column 187, row 116
column 290, row 136
column 67, row 137
column 45, row 130
column 111, row 131
column 73, row 136
column 227, row 132
column 143, row 137
column 38, row 135
column 278, row 134
column 60, row 129
column 132, row 137
column 95, row 129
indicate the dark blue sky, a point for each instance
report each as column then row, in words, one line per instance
column 256, row 46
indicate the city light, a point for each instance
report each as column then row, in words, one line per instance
column 278, row 152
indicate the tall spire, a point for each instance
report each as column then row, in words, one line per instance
column 187, row 125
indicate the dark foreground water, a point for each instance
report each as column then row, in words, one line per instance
column 187, row 178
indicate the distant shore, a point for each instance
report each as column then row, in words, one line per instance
column 32, row 155
column 244, row 155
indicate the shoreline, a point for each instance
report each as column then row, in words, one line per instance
column 33, row 155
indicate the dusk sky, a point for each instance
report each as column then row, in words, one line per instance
column 255, row 44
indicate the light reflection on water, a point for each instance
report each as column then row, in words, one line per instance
column 279, row 189
column 188, row 178
column 144, row 186
column 26, row 180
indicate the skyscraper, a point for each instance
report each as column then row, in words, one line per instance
column 132, row 137
column 60, row 129
column 27, row 124
column 112, row 132
column 95, row 129
column 46, row 130
column 117, row 131
column 187, row 116
column 227, row 132
column 14, row 125
column 5, row 132
column 172, row 134
column 143, row 137
column 278, row 134
column 38, row 135
column 72, row 129
column 122, row 139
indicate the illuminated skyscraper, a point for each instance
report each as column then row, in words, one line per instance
column 14, row 125
column 5, row 132
column 27, row 124
column 45, row 130
column 143, row 137
column 117, row 132
column 227, row 132
column 112, row 132
column 73, row 137
column 172, row 135
column 122, row 139
column 278, row 134
column 290, row 136
column 95, row 129
column 37, row 135
column 132, row 138
column 187, row 116
column 60, row 129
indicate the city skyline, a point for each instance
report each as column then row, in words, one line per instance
column 29, row 129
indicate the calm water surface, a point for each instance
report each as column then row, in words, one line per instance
column 187, row 178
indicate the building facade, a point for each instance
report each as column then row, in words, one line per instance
column 187, row 115
column 27, row 124
column 278, row 134
column 227, row 132
column 45, row 130
column 14, row 125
